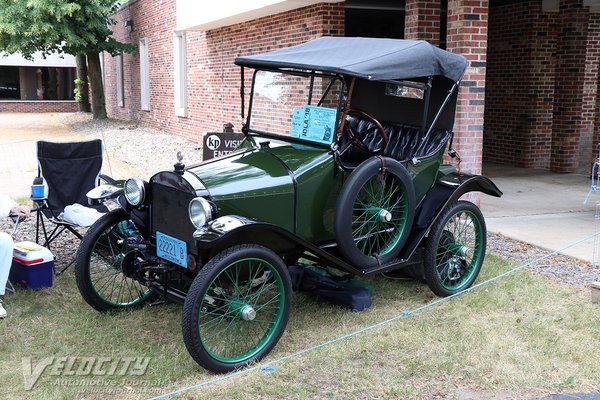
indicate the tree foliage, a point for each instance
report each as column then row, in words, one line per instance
column 69, row 26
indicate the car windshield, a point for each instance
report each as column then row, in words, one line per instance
column 301, row 107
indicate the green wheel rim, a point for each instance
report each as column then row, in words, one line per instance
column 459, row 250
column 379, row 214
column 225, row 329
column 106, row 277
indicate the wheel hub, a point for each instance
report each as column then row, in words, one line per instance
column 385, row 215
column 128, row 263
column 248, row 313
column 242, row 310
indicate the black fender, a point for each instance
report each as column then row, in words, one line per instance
column 232, row 230
column 445, row 191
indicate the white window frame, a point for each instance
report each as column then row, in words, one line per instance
column 144, row 76
column 119, row 80
column 180, row 73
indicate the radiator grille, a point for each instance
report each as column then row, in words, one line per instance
column 169, row 210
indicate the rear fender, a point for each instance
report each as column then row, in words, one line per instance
column 446, row 190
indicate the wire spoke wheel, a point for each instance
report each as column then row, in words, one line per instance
column 379, row 215
column 237, row 308
column 374, row 212
column 455, row 249
column 103, row 254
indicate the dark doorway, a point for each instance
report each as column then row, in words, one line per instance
column 375, row 18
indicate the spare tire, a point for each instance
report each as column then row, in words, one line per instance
column 374, row 212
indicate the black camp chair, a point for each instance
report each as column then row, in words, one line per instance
column 70, row 170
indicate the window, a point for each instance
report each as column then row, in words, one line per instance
column 9, row 83
column 37, row 83
column 144, row 76
column 119, row 78
column 180, row 84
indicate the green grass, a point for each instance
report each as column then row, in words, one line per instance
column 522, row 336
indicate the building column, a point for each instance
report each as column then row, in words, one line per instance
column 467, row 35
column 23, row 83
column 422, row 20
column 575, row 89
column 594, row 56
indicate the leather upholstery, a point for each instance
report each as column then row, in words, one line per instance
column 404, row 142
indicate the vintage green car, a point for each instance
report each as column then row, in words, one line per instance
column 341, row 165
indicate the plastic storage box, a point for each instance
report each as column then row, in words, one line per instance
column 32, row 266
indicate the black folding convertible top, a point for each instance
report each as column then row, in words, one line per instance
column 367, row 58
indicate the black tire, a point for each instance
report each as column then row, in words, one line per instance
column 364, row 234
column 231, row 290
column 455, row 249
column 98, row 266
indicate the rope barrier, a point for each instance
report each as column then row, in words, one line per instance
column 270, row 366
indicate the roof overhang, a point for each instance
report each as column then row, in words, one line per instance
column 52, row 60
column 197, row 16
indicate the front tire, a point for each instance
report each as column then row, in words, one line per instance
column 237, row 308
column 99, row 265
column 455, row 249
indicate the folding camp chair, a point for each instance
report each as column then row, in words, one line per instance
column 70, row 170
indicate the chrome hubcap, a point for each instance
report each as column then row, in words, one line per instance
column 248, row 313
column 385, row 216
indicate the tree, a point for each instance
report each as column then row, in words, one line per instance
column 77, row 27
column 82, row 85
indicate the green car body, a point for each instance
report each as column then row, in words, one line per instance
column 341, row 165
column 294, row 186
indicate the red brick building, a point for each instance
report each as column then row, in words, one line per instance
column 533, row 66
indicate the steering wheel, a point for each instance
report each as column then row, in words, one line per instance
column 357, row 138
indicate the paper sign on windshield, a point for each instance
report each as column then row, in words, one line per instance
column 313, row 123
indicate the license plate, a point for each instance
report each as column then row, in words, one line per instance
column 171, row 249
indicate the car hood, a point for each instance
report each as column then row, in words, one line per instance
column 245, row 173
column 260, row 182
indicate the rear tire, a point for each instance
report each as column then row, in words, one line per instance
column 455, row 249
column 237, row 308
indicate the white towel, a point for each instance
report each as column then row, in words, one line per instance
column 80, row 215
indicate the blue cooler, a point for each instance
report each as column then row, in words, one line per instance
column 32, row 266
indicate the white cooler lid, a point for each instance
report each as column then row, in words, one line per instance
column 31, row 253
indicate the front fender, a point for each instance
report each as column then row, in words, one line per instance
column 446, row 190
column 232, row 230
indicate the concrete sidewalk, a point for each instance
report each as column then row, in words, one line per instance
column 18, row 161
column 542, row 208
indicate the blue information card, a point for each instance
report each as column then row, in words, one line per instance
column 313, row 123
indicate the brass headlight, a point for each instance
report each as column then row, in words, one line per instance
column 200, row 212
column 135, row 191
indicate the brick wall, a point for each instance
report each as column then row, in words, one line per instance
column 467, row 35
column 570, row 113
column 595, row 150
column 588, row 152
column 520, row 85
column 212, row 80
column 422, row 20
column 38, row 106
column 542, row 86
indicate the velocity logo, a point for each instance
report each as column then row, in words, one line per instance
column 82, row 366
